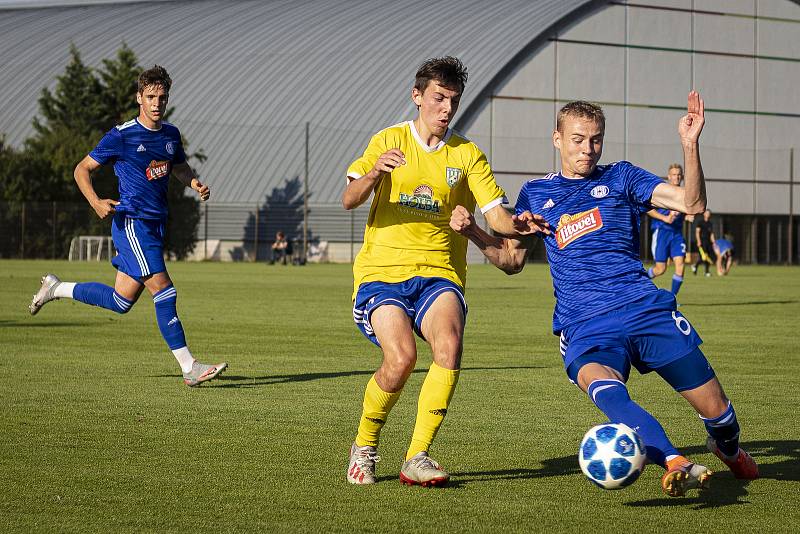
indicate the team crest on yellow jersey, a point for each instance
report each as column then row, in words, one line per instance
column 452, row 175
column 421, row 199
column 571, row 227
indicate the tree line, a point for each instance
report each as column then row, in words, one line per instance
column 84, row 104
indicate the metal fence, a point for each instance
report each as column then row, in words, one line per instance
column 45, row 230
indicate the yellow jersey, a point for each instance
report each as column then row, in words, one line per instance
column 408, row 231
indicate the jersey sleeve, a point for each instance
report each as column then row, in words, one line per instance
column 482, row 184
column 639, row 185
column 179, row 156
column 361, row 166
column 109, row 149
column 523, row 202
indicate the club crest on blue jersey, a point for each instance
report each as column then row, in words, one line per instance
column 452, row 175
column 599, row 191
column 571, row 227
column 421, row 199
column 157, row 169
column 170, row 148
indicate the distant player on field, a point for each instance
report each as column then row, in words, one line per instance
column 144, row 151
column 608, row 314
column 411, row 270
column 668, row 239
column 724, row 250
column 704, row 238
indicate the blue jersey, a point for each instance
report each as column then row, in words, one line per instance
column 143, row 160
column 676, row 226
column 724, row 245
column 593, row 250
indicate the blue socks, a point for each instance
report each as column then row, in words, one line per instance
column 612, row 397
column 725, row 431
column 167, row 317
column 101, row 295
column 676, row 283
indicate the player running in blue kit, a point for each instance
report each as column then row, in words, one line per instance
column 668, row 242
column 144, row 151
column 609, row 315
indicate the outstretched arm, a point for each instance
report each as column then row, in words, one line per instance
column 184, row 173
column 507, row 254
column 691, row 198
column 83, row 176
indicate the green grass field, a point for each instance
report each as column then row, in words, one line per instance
column 98, row 432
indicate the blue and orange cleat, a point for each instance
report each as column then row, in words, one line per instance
column 742, row 466
column 683, row 475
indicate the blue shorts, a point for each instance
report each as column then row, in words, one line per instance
column 414, row 296
column 648, row 334
column 139, row 244
column 667, row 244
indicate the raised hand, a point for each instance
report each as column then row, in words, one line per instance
column 691, row 124
column 389, row 161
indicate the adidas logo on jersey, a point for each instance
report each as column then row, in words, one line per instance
column 549, row 204
column 140, row 149
column 571, row 227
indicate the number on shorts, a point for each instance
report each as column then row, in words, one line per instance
column 682, row 324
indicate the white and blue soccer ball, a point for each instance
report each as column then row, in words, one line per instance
column 612, row 455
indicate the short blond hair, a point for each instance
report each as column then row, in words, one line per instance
column 582, row 110
column 675, row 166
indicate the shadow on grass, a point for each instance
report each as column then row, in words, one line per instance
column 725, row 489
column 745, row 303
column 234, row 381
column 42, row 324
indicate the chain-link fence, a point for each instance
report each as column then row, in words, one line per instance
column 245, row 232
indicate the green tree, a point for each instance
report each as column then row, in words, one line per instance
column 83, row 106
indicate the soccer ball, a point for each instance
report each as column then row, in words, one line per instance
column 612, row 455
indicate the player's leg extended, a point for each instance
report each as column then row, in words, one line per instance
column 677, row 278
column 714, row 409
column 165, row 298
column 119, row 298
column 389, row 327
column 607, row 390
column 392, row 327
column 443, row 328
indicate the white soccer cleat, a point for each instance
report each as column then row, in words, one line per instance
column 45, row 293
column 361, row 469
column 423, row 470
column 202, row 372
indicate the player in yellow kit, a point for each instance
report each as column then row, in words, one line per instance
column 411, row 271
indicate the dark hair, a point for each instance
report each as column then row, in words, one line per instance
column 448, row 71
column 582, row 109
column 154, row 76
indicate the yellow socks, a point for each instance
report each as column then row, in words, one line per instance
column 377, row 405
column 434, row 397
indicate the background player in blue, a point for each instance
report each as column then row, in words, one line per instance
column 724, row 250
column 608, row 313
column 144, row 151
column 668, row 242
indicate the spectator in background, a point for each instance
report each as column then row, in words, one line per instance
column 280, row 249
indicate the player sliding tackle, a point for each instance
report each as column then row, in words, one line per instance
column 608, row 314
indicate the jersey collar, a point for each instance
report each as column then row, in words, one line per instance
column 149, row 129
column 424, row 146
